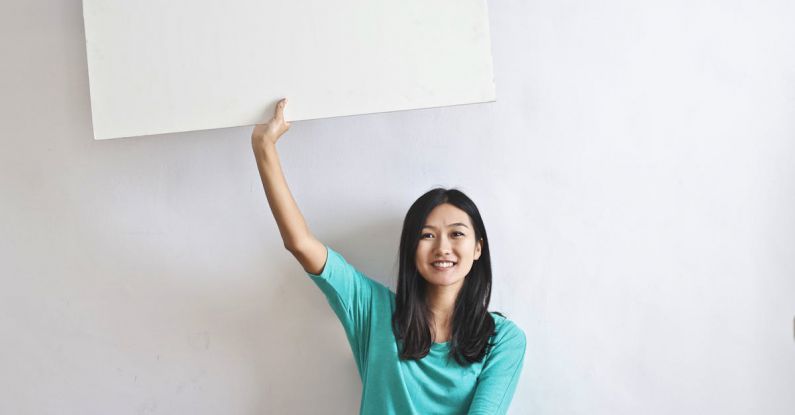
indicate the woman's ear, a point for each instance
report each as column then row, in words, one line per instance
column 478, row 248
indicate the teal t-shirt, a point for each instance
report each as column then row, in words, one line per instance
column 431, row 385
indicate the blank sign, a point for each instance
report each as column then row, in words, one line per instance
column 166, row 66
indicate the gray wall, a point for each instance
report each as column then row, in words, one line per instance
column 635, row 176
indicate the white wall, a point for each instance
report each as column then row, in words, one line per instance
column 635, row 176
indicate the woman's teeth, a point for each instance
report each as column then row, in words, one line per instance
column 443, row 264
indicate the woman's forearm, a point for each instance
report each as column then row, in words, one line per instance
column 292, row 226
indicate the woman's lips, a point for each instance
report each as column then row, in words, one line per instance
column 443, row 269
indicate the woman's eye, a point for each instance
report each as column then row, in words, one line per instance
column 458, row 233
column 425, row 235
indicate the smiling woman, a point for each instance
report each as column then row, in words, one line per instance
column 444, row 280
column 432, row 346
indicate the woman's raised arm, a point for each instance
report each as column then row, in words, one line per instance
column 297, row 238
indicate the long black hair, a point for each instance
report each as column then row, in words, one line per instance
column 472, row 325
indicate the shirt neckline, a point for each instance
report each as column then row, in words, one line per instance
column 443, row 345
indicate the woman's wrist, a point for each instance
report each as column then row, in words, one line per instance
column 264, row 148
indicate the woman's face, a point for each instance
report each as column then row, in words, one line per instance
column 447, row 246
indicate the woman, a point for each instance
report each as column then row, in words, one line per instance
column 432, row 347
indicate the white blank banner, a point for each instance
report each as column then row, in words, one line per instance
column 167, row 66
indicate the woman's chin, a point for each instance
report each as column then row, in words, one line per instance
column 444, row 280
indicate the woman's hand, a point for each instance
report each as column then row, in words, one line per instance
column 267, row 134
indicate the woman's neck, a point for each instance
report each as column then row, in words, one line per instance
column 441, row 303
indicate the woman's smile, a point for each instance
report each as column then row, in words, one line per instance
column 443, row 266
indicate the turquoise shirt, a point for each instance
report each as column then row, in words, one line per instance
column 431, row 385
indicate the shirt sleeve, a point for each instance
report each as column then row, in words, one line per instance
column 350, row 294
column 500, row 375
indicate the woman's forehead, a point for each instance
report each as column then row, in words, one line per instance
column 447, row 215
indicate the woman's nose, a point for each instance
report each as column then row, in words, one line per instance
column 443, row 246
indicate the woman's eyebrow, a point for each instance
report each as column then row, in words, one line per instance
column 449, row 226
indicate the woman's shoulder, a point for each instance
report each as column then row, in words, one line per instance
column 336, row 263
column 506, row 330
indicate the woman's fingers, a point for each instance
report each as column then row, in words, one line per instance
column 280, row 108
